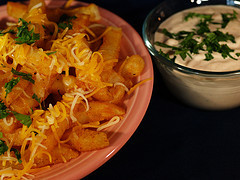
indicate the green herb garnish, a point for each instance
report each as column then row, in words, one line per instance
column 49, row 53
column 26, row 76
column 211, row 40
column 10, row 31
column 17, row 154
column 24, row 35
column 10, row 85
column 34, row 96
column 3, row 147
column 13, row 82
column 66, row 21
column 227, row 17
column 4, row 112
column 24, row 119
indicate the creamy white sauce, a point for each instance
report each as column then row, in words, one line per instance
column 176, row 23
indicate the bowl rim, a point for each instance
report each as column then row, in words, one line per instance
column 159, row 58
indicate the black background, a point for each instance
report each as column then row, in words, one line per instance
column 173, row 141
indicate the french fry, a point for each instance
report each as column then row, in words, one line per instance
column 64, row 153
column 132, row 66
column 16, row 9
column 103, row 95
column 79, row 24
column 37, row 3
column 51, row 141
column 59, row 154
column 87, row 140
column 12, row 127
column 111, row 44
column 15, row 137
column 99, row 111
column 91, row 10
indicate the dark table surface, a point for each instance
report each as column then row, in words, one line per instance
column 173, row 141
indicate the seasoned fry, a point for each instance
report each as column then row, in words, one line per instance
column 87, row 140
column 111, row 44
column 132, row 66
column 16, row 9
column 98, row 111
column 40, row 4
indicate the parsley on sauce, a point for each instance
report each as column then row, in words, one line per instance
column 211, row 40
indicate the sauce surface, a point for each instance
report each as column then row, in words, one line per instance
column 176, row 23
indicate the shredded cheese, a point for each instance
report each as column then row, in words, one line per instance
column 36, row 6
column 121, row 84
column 112, row 122
column 8, row 122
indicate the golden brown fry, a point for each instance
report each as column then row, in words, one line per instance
column 110, row 93
column 24, row 102
column 37, row 3
column 103, row 95
column 60, row 154
column 111, row 44
column 87, row 140
column 11, row 128
column 91, row 10
column 16, row 9
column 18, row 141
column 132, row 66
column 79, row 24
column 98, row 111
column 11, row 164
column 65, row 151
column 51, row 141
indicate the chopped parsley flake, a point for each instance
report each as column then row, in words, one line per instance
column 24, row 119
column 66, row 21
column 211, row 40
column 10, row 85
column 49, row 53
column 3, row 110
column 34, row 96
column 3, row 33
column 24, row 35
column 26, row 76
column 17, row 154
column 3, row 147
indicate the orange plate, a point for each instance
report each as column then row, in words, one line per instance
column 136, row 105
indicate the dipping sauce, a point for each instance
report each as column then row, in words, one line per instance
column 204, row 90
column 176, row 23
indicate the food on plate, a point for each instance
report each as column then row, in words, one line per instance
column 204, row 38
column 62, row 84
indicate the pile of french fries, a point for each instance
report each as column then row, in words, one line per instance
column 68, row 80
